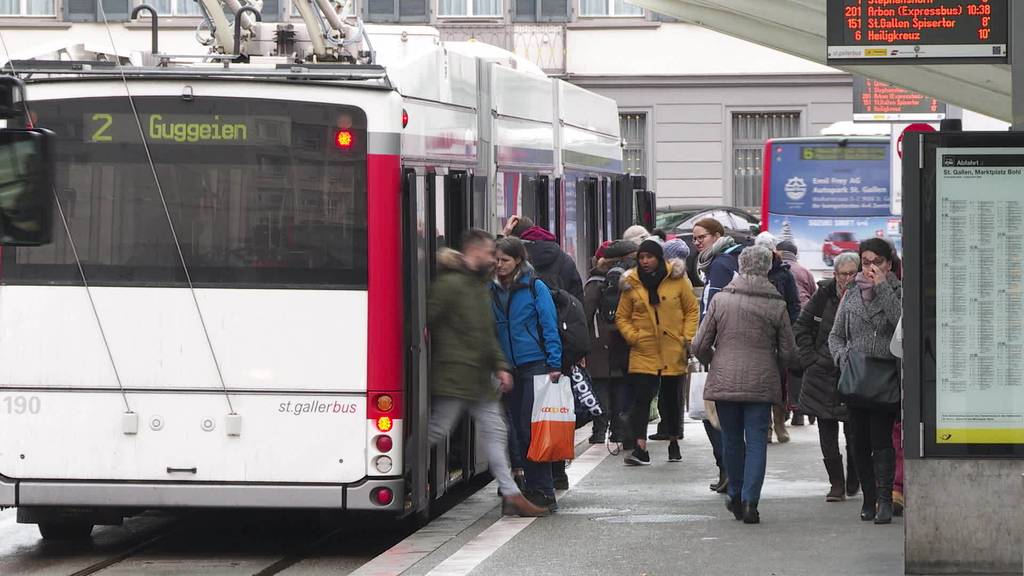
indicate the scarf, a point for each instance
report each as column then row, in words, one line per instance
column 867, row 287
column 707, row 256
column 651, row 281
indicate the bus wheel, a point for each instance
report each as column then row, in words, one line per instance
column 65, row 530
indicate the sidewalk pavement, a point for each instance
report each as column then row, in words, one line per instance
column 663, row 520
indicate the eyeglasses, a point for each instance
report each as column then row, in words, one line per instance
column 876, row 261
column 700, row 237
column 846, row 274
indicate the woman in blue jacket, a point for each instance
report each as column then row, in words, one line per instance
column 527, row 326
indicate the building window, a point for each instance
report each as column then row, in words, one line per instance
column 633, row 127
column 378, row 11
column 749, row 132
column 456, row 8
column 176, row 7
column 26, row 8
column 609, row 8
column 541, row 11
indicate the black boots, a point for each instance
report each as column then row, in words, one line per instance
column 797, row 420
column 870, row 505
column 750, row 515
column 736, row 507
column 852, row 483
column 834, row 467
column 722, row 485
column 885, row 469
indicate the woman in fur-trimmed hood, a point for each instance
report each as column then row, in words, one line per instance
column 657, row 316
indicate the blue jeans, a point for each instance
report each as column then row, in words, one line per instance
column 520, row 403
column 745, row 446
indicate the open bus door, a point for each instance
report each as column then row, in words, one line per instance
column 646, row 203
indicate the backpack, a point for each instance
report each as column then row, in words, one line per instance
column 572, row 325
column 608, row 303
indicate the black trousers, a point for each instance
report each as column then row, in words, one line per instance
column 828, row 437
column 614, row 397
column 643, row 388
column 872, row 431
column 670, row 406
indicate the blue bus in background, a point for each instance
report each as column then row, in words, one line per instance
column 828, row 194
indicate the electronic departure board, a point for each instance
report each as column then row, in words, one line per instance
column 876, row 101
column 908, row 31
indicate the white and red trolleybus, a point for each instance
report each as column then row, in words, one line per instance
column 231, row 312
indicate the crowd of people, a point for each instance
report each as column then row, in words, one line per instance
column 776, row 346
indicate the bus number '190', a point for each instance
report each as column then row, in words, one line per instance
column 22, row 404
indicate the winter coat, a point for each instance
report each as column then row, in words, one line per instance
column 551, row 263
column 867, row 327
column 527, row 323
column 657, row 336
column 609, row 353
column 722, row 270
column 745, row 337
column 805, row 283
column 464, row 351
column 819, row 395
column 785, row 283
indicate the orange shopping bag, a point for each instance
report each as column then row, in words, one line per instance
column 553, row 425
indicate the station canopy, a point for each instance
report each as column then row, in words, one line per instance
column 797, row 27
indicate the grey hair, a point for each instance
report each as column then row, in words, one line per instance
column 846, row 258
column 755, row 261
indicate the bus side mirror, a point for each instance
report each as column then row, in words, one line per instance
column 26, row 187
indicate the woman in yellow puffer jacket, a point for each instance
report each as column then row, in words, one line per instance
column 657, row 316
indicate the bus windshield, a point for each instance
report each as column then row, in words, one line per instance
column 828, row 196
column 260, row 193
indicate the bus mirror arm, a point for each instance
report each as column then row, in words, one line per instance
column 154, row 23
column 238, row 25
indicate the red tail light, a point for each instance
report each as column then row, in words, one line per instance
column 385, row 443
column 343, row 139
column 382, row 496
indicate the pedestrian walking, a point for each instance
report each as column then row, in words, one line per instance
column 608, row 360
column 864, row 326
column 527, row 329
column 785, row 283
column 820, row 395
column 745, row 336
column 657, row 316
column 558, row 271
column 806, row 287
column 676, row 253
column 464, row 354
column 717, row 265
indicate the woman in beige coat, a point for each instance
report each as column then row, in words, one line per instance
column 746, row 337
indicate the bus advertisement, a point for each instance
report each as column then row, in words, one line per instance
column 827, row 194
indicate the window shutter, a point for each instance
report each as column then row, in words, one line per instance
column 116, row 10
column 80, row 10
column 554, row 10
column 525, row 11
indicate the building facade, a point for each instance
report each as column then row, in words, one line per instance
column 696, row 105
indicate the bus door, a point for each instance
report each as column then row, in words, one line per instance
column 622, row 208
column 588, row 199
column 416, row 269
column 537, row 201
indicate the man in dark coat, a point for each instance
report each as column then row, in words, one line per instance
column 464, row 354
column 555, row 267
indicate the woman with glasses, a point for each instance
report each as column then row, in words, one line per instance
column 819, row 396
column 865, row 323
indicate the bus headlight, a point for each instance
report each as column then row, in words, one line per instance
column 383, row 464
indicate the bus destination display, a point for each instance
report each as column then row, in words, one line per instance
column 876, row 101
column 907, row 30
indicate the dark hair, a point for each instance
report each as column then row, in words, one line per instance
column 512, row 246
column 711, row 225
column 476, row 236
column 660, row 234
column 878, row 246
column 524, row 224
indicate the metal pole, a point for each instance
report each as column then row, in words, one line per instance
column 1017, row 63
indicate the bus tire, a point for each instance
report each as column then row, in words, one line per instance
column 65, row 530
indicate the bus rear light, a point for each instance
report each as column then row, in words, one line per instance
column 384, row 424
column 343, row 139
column 383, row 464
column 384, row 443
column 385, row 403
column 382, row 496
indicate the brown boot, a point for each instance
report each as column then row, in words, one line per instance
column 779, row 417
column 518, row 505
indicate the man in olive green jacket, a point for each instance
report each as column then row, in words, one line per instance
column 465, row 354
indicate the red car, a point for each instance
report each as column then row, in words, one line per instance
column 836, row 243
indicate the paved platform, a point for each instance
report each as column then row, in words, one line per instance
column 663, row 520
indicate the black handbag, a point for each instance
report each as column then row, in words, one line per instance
column 867, row 380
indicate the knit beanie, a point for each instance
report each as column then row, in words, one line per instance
column 766, row 239
column 787, row 246
column 755, row 261
column 620, row 249
column 676, row 248
column 602, row 249
column 653, row 247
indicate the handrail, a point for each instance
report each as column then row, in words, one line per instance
column 154, row 25
column 238, row 25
